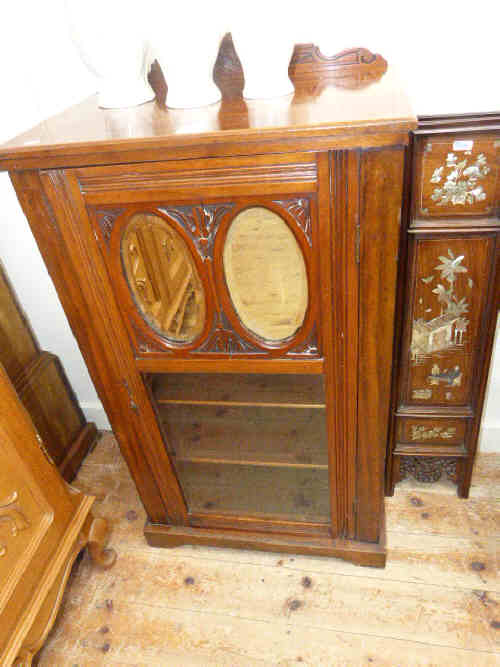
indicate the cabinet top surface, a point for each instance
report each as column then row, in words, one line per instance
column 86, row 134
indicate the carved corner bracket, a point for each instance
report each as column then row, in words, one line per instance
column 106, row 220
column 310, row 71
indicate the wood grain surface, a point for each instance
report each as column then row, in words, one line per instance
column 148, row 132
column 435, row 603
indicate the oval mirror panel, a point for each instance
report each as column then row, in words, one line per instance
column 163, row 278
column 265, row 274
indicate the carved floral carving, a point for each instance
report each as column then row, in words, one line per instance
column 224, row 340
column 201, row 223
column 11, row 513
column 428, row 469
column 106, row 220
column 299, row 209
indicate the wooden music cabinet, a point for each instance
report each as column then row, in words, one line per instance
column 230, row 275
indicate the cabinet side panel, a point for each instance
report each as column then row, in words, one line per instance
column 18, row 346
column 61, row 258
column 381, row 192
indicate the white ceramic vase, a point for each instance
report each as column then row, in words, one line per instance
column 265, row 60
column 110, row 38
column 187, row 52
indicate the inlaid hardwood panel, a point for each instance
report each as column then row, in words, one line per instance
column 449, row 287
column 457, row 175
column 431, row 431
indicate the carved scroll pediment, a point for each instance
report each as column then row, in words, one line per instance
column 310, row 71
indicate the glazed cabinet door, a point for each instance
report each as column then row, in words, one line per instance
column 210, row 282
column 450, row 300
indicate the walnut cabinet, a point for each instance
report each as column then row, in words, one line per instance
column 230, row 275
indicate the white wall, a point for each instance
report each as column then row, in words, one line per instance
column 446, row 57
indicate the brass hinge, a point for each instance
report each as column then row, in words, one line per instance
column 44, row 450
column 357, row 243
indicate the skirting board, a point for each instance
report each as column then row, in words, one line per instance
column 489, row 439
column 94, row 412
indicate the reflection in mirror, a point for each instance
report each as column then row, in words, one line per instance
column 265, row 274
column 163, row 278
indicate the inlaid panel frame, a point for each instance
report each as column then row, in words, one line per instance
column 473, row 212
column 406, row 402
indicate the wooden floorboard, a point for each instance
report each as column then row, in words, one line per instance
column 436, row 603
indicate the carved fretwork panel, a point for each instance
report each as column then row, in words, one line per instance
column 428, row 469
column 174, row 277
column 201, row 223
column 449, row 288
column 458, row 176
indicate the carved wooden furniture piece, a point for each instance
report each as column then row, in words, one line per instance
column 310, row 71
column 43, row 388
column 230, row 274
column 448, row 298
column 44, row 524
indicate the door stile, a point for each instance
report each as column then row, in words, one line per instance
column 327, row 251
column 125, row 391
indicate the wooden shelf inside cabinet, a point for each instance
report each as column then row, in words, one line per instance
column 246, row 435
column 297, row 391
column 230, row 274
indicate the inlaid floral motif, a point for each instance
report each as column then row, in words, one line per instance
column 461, row 185
column 425, row 433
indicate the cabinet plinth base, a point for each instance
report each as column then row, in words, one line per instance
column 359, row 553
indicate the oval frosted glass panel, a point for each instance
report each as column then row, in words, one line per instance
column 163, row 278
column 265, row 274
